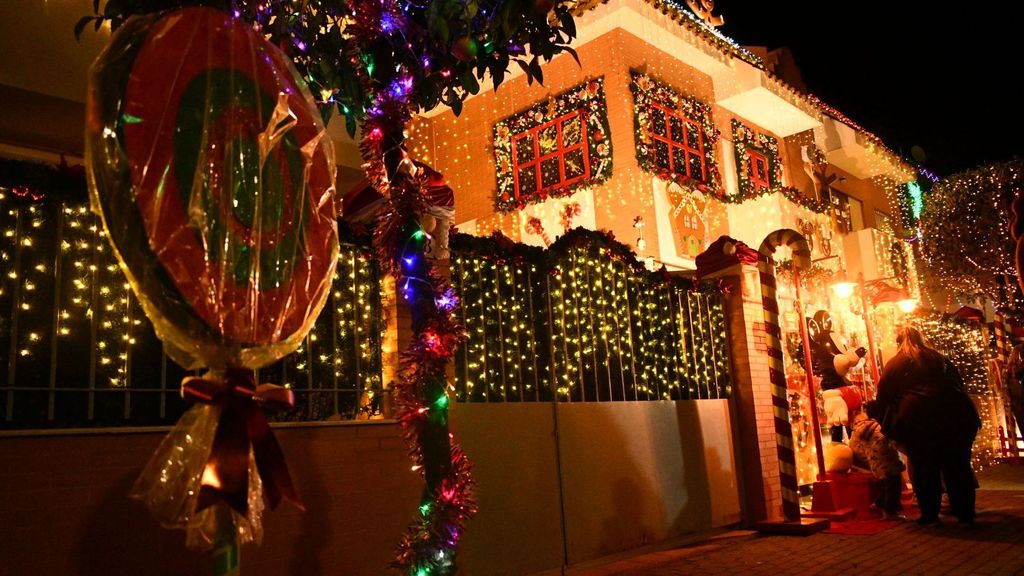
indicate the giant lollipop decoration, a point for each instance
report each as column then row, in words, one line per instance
column 208, row 164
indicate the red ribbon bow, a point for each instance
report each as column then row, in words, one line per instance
column 242, row 424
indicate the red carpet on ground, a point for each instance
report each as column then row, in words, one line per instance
column 862, row 527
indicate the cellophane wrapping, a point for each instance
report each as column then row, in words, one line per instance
column 210, row 166
column 171, row 480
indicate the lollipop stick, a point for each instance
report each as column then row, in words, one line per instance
column 225, row 560
column 226, row 555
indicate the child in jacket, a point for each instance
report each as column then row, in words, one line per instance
column 871, row 446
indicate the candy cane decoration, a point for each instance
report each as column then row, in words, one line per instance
column 570, row 211
column 777, row 372
column 1002, row 352
column 1017, row 231
column 535, row 226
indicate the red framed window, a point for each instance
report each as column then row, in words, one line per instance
column 757, row 171
column 678, row 143
column 551, row 155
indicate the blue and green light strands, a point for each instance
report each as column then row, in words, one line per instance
column 916, row 199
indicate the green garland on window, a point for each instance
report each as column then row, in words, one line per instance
column 588, row 97
column 796, row 197
column 743, row 138
column 646, row 90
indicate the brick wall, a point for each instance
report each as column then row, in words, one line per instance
column 754, row 422
column 64, row 507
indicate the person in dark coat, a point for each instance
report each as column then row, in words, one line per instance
column 926, row 410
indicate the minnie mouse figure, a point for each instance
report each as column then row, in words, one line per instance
column 832, row 359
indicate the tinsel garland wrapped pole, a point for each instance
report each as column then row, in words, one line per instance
column 421, row 392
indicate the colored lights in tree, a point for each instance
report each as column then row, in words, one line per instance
column 424, row 53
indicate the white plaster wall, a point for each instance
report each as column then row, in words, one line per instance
column 518, row 529
column 636, row 473
column 755, row 219
column 633, row 473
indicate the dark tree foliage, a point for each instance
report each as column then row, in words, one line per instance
column 426, row 53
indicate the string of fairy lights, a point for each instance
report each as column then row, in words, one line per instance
column 974, row 208
column 966, row 344
column 501, row 298
column 340, row 361
column 67, row 299
column 583, row 322
column 81, row 352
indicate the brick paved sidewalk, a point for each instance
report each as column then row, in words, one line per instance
column 994, row 546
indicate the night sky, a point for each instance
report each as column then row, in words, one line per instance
column 938, row 75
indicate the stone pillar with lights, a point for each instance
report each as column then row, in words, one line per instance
column 734, row 264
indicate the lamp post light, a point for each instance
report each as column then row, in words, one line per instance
column 899, row 296
column 872, row 353
column 823, row 496
column 809, row 376
column 843, row 287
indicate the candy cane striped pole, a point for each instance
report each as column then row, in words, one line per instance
column 1002, row 328
column 1002, row 352
column 777, row 372
column 1008, row 339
